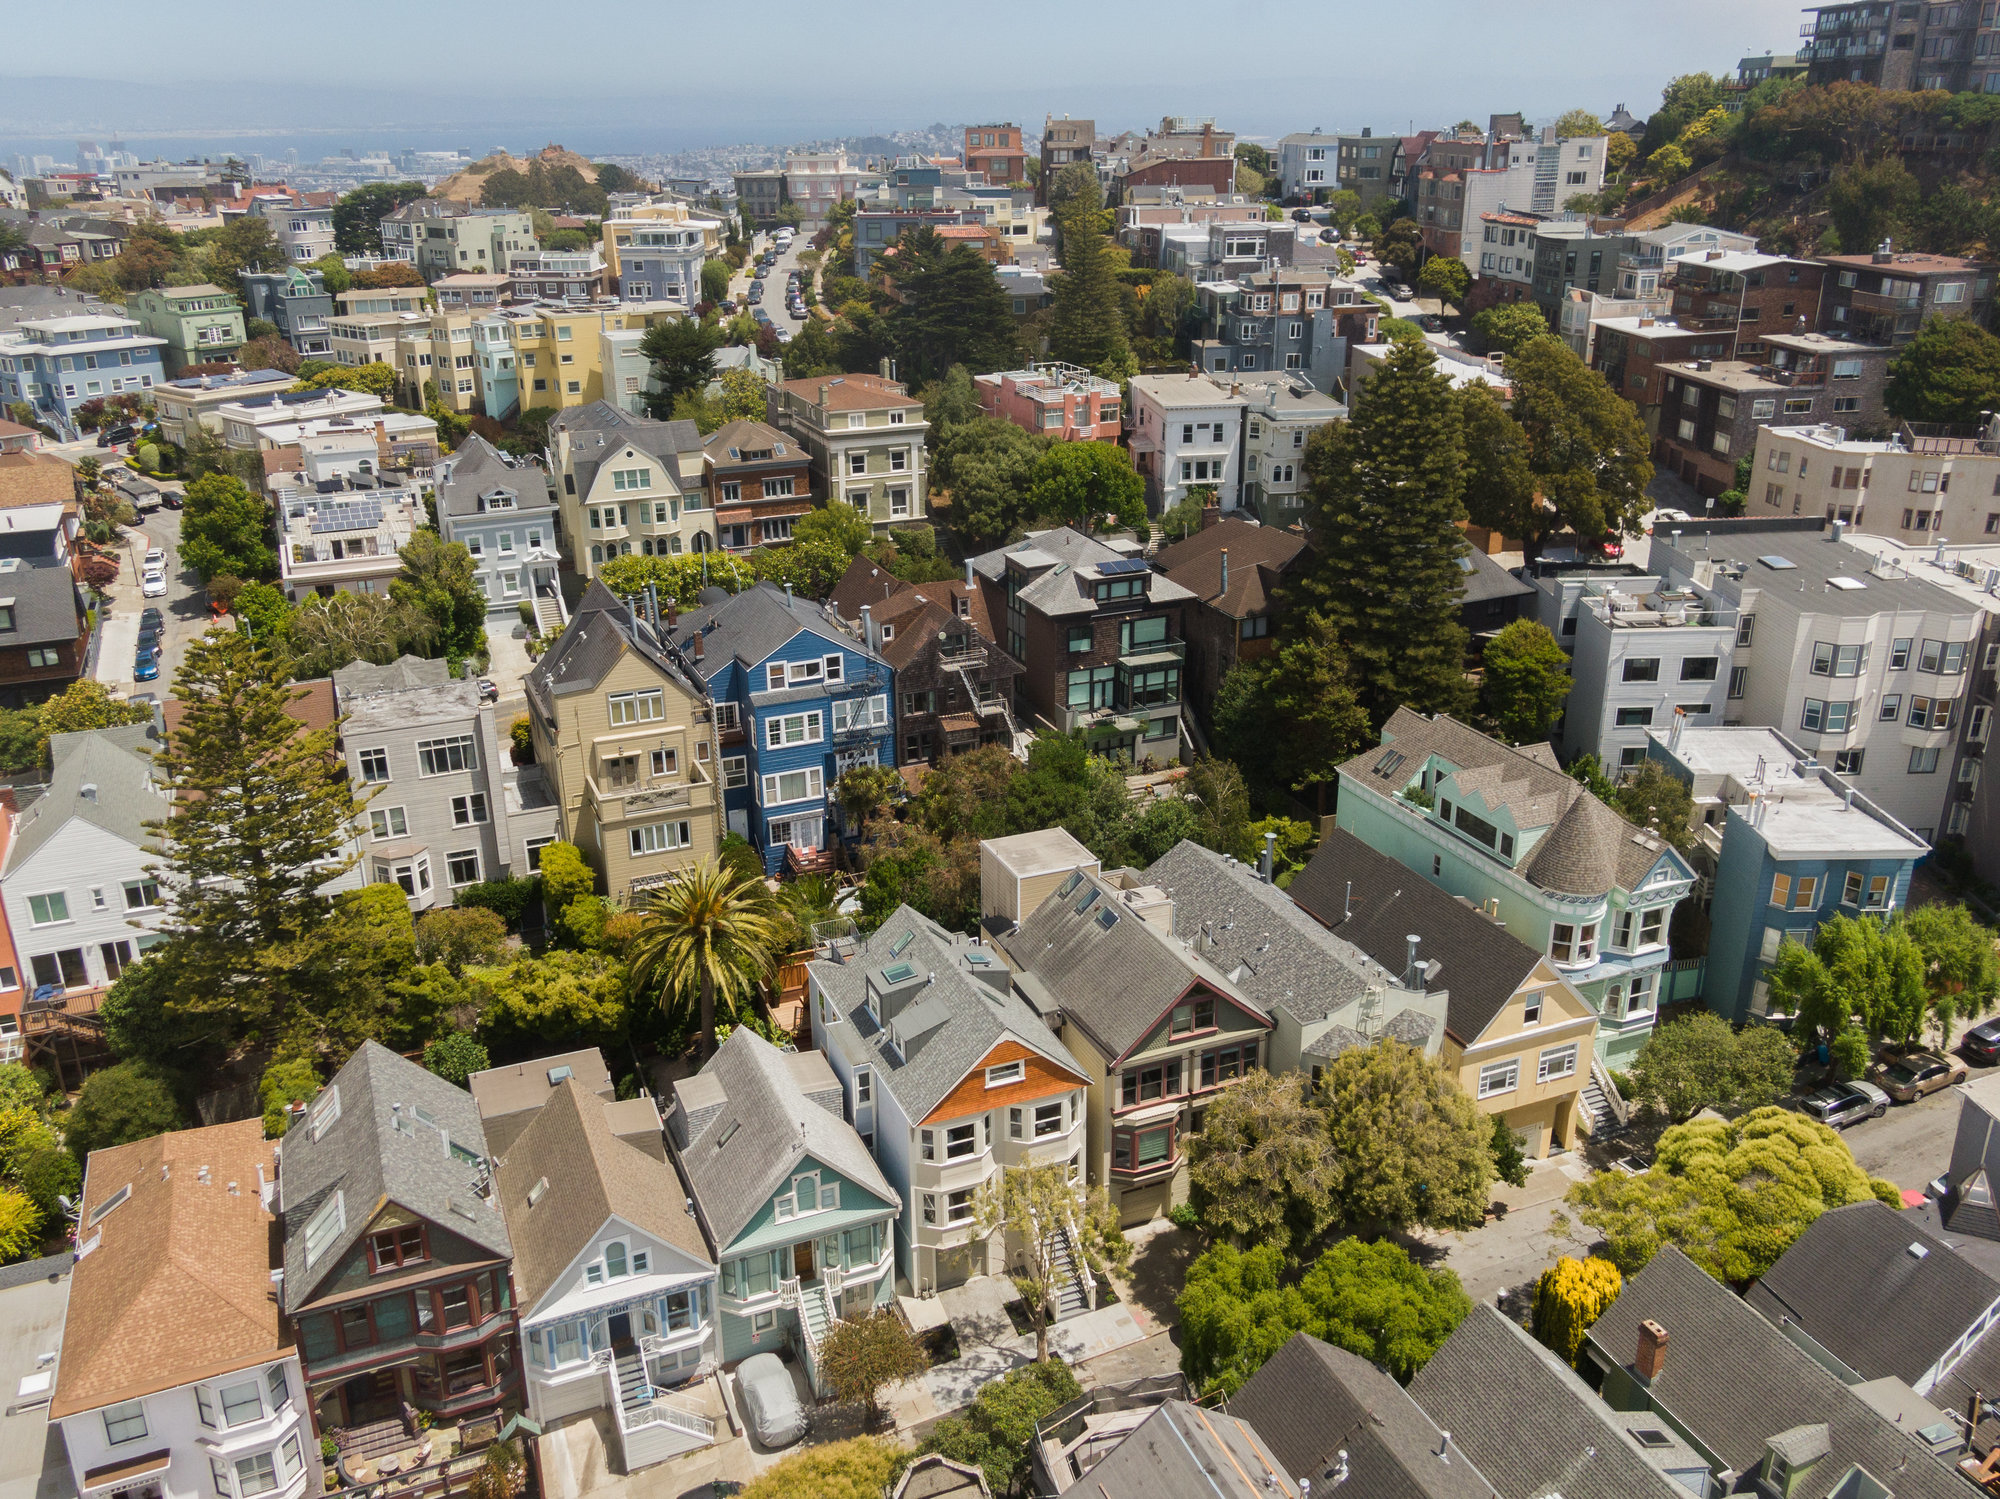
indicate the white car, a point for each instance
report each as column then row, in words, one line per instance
column 156, row 560
column 154, row 586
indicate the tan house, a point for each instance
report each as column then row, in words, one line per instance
column 866, row 437
column 624, row 729
column 1518, row 1034
column 627, row 484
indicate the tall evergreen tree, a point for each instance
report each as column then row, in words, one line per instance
column 1087, row 319
column 1384, row 509
column 949, row 310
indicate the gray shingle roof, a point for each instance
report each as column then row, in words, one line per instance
column 1534, row 1429
column 765, row 1125
column 1851, row 1283
column 477, row 468
column 118, row 764
column 1065, row 587
column 947, row 1023
column 598, row 428
column 1312, row 1401
column 362, row 1155
column 1734, row 1381
column 1181, row 1451
column 1486, row 579
column 44, row 597
column 756, row 623
column 602, row 630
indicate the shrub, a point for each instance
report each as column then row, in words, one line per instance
column 131, row 1101
column 997, row 1429
column 565, row 876
column 456, row 1057
column 522, row 738
column 1569, row 1296
column 510, row 898
column 285, row 1083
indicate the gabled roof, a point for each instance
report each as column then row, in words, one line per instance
column 1733, row 1381
column 178, row 1285
column 755, row 624
column 1876, row 1291
column 476, row 468
column 1486, row 579
column 600, row 428
column 1534, row 1429
column 919, row 616
column 376, row 1149
column 1258, row 557
column 867, row 582
column 1311, row 1402
column 727, row 445
column 598, row 634
column 35, row 479
column 762, row 1126
column 593, row 1176
column 1181, row 1451
column 116, row 764
column 43, row 594
column 946, row 1025
column 1480, row 966
column 1067, row 561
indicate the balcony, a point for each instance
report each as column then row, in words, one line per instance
column 1869, row 301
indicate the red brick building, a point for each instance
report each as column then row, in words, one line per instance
column 997, row 151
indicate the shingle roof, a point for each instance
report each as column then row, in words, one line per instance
column 765, row 1125
column 727, row 444
column 43, row 594
column 594, row 430
column 601, row 630
column 753, row 625
column 35, row 479
column 364, row 1155
column 1851, row 1283
column 117, row 762
column 1734, row 1381
column 952, row 1022
column 178, row 1286
column 851, row 392
column 1486, row 579
column 1534, row 1429
column 1070, row 559
column 1181, row 1451
column 867, row 582
column 477, row 468
column 1312, row 1401
column 1258, row 557
column 592, row 1176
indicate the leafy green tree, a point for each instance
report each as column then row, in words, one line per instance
column 323, row 634
column 263, row 610
column 437, row 577
column 1237, row 1308
column 1079, row 484
column 1411, row 1145
column 1950, row 372
column 949, row 310
column 810, row 569
column 1527, row 680
column 226, row 529
column 20, row 1224
column 127, row 1102
column 1509, row 1164
column 456, row 1057
column 1858, row 977
column 997, row 1431
column 333, row 275
column 286, row 1081
column 1668, row 164
column 1586, row 449
column 1869, row 201
column 80, row 707
column 566, row 877
column 1577, row 124
column 1307, row 684
column 950, row 401
column 1702, row 1062
column 1221, row 808
column 1030, row 1202
column 1087, row 316
column 1959, row 967
column 1731, row 1195
column 863, row 1355
column 375, row 379
column 559, row 998
column 1570, row 1296
column 811, row 352
column 841, row 527
column 1446, row 278
column 714, row 280
column 1384, row 510
column 461, row 937
column 1653, row 797
column 1684, row 100
column 679, row 578
column 682, row 353
column 1342, row 209
column 20, row 739
column 357, row 216
column 1184, row 519
column 858, row 1468
column 1075, row 186
column 1262, row 1170
column 988, row 466
column 1505, row 328
column 707, row 937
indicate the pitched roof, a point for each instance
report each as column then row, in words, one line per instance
column 733, row 1169
column 600, row 427
column 376, row 1149
column 1853, row 1283
column 728, row 443
column 1533, row 1428
column 1312, row 1401
column 478, row 468
column 592, row 1176
column 1486, row 579
column 751, row 626
column 601, row 631
column 1733, row 1381
column 1181, row 1451
column 117, row 765
column 178, row 1287
column 35, row 479
column 867, row 582
column 46, row 602
column 944, row 1025
column 1065, row 562
column 851, row 392
column 917, row 618
column 1480, row 965
column 1258, row 557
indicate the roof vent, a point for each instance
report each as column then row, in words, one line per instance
column 538, row 1191
column 1919, row 1251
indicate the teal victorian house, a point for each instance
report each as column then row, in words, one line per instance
column 801, row 1218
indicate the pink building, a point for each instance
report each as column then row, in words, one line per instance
column 1056, row 400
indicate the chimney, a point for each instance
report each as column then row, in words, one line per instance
column 1413, row 975
column 1652, row 1354
column 1265, row 865
column 1225, row 573
column 697, row 645
column 1884, row 253
column 88, row 791
column 867, row 627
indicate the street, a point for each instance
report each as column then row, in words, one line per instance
column 774, row 283
column 185, row 608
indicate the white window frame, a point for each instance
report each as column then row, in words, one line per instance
column 1496, row 1078
column 815, row 786
column 1556, row 1062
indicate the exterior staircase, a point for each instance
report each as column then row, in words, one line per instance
column 1073, row 1295
column 549, row 618
column 652, row 1426
column 1604, row 1109
column 634, row 1390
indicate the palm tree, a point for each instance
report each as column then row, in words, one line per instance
column 709, row 931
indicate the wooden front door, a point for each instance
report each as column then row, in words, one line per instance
column 802, row 1262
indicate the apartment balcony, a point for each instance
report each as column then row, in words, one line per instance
column 1869, row 301
column 649, row 793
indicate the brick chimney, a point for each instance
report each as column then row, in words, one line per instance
column 1652, row 1355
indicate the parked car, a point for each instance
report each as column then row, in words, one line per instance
column 108, row 437
column 1430, row 322
column 1302, row 215
column 1611, row 547
column 154, row 586
column 150, row 618
column 156, row 559
column 171, row 498
column 771, row 1404
column 149, row 638
column 1982, row 1042
column 489, row 692
column 1909, row 1078
column 1842, row 1104
column 146, row 665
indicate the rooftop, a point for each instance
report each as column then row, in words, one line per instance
column 1904, row 264
column 1803, row 560
column 1174, row 391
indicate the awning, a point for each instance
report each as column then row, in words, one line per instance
column 129, row 1474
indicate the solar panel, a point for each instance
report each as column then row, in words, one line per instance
column 1779, row 564
column 1122, row 566
column 347, row 515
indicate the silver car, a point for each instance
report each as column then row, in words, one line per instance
column 1842, row 1104
column 771, row 1405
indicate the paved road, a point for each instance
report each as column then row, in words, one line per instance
column 185, row 606
column 1910, row 1144
column 774, row 283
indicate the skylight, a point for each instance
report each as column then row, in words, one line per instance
column 1107, row 918
column 1846, row 584
column 324, row 1111
column 103, row 1210
column 1089, row 900
column 1779, row 564
column 896, row 947
column 1069, row 885
column 1391, row 759
column 560, row 1074
column 325, row 1226
column 902, row 973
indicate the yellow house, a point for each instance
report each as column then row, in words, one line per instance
column 628, row 485
column 625, row 731
column 1520, row 1037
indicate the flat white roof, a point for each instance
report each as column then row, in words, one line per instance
column 1025, row 855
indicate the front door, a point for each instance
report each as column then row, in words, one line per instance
column 619, row 1326
column 802, row 1262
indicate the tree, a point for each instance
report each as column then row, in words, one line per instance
column 1857, row 973
column 287, row 1081
column 1081, row 483
column 1653, row 797
column 1576, row 124
column 1446, row 278
column 1342, row 209
column 395, row 273
column 997, row 1431
column 1220, row 805
column 1868, row 201
column 841, row 527
column 1586, row 449
column 1959, row 967
column 708, row 936
column 1307, row 684
column 1620, row 151
column 558, row 997
column 566, row 877
column 318, row 637
column 461, row 937
column 226, row 529
column 1569, row 1296
column 1950, row 372
column 437, row 579
column 374, row 378
column 268, row 352
column 333, row 275
column 1237, row 1309
column 1262, row 1170
column 1732, row 1195
column 682, row 353
column 714, row 280
column 988, row 466
column 80, row 707
column 1075, row 187
column 1668, row 164
column 1384, row 510
column 949, row 310
column 858, row 1468
column 862, row 1355
column 1527, row 680
column 1683, row 101
column 1399, row 243
column 503, row 1475
column 809, row 569
column 20, row 1224
column 1411, row 1146
column 1087, row 316
column 1702, row 1062
column 1039, row 1206
column 457, row 1056
column 357, row 216
column 127, row 1102
column 1505, row 328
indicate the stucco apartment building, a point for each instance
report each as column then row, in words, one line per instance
column 1051, row 399
column 1185, row 433
column 996, row 151
column 1919, row 488
column 866, row 435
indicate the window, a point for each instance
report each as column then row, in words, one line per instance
column 1197, row 1015
column 1830, row 660
column 141, row 894
column 958, row 1207
column 1499, row 1077
column 1899, row 655
column 1570, row 943
column 1048, row 1119
column 1699, row 668
column 468, row 811
column 462, row 868
column 125, row 1423
column 649, row 706
column 241, row 1403
column 1631, row 718
column 735, row 772
column 794, row 786
column 49, row 909
column 436, row 757
column 1739, row 678
column 660, row 837
column 1079, row 639
column 1531, row 1009
column 1642, row 669
column 395, row 1247
column 1557, row 1061
column 1923, row 762
column 1781, row 890
column 1892, row 707
column 781, row 730
column 1005, row 1073
column 388, row 822
column 256, row 1474
column 960, row 1141
column 861, row 713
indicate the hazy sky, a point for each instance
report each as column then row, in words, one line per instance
column 515, row 70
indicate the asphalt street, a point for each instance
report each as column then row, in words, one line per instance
column 774, row 283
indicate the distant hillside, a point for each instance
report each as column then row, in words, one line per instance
column 465, row 186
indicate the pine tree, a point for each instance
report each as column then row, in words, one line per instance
column 1087, row 320
column 1384, row 510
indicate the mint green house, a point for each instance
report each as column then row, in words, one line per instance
column 202, row 324
column 800, row 1217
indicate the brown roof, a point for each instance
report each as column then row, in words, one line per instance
column 313, row 706
column 1258, row 557
column 592, row 1176
column 15, row 429
column 726, row 447
column 179, row 1285
column 852, row 392
column 866, row 582
column 1919, row 264
column 35, row 479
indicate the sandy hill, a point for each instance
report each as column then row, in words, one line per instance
column 465, row 186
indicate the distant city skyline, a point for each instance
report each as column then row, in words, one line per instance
column 511, row 73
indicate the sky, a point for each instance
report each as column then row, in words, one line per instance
column 621, row 75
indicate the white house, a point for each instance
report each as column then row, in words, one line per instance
column 1186, row 432
column 78, row 896
column 177, row 1378
column 505, row 514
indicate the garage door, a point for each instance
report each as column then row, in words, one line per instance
column 1143, row 1204
column 954, row 1266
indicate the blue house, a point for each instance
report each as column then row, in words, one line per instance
column 1785, row 844
column 798, row 703
column 58, row 364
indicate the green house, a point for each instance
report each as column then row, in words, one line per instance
column 801, row 1218
column 202, row 324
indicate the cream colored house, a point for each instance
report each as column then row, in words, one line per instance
column 628, row 484
column 866, row 437
column 624, row 730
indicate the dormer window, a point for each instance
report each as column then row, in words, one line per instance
column 6, row 614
